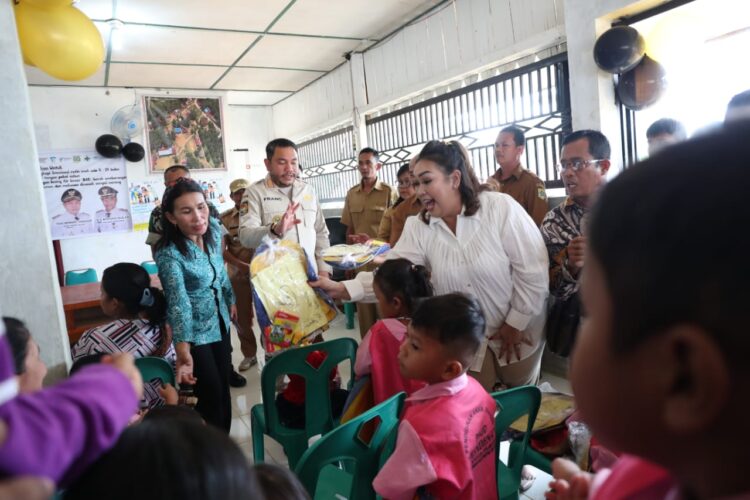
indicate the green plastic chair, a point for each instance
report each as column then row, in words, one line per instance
column 81, row 276
column 264, row 418
column 150, row 266
column 513, row 404
column 152, row 367
column 341, row 464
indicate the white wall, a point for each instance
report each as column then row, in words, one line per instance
column 29, row 280
column 465, row 36
column 73, row 117
column 324, row 103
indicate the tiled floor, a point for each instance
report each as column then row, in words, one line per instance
column 244, row 398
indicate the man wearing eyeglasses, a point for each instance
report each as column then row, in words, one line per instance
column 584, row 162
column 514, row 180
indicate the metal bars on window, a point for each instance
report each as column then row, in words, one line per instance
column 335, row 148
column 535, row 98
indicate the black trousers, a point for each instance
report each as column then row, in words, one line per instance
column 212, row 364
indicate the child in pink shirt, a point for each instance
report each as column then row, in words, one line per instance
column 398, row 285
column 446, row 439
column 660, row 368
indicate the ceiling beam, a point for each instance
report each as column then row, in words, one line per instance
column 227, row 30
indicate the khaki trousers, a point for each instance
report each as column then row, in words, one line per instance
column 243, row 292
column 524, row 372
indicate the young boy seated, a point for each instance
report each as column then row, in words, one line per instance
column 446, row 439
column 660, row 371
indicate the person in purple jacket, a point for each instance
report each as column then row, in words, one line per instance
column 57, row 432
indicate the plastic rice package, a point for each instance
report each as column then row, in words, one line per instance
column 290, row 312
column 348, row 257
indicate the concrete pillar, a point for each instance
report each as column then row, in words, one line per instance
column 359, row 100
column 30, row 290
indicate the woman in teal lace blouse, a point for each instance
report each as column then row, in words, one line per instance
column 200, row 301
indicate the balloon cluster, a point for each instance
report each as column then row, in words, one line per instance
column 622, row 50
column 110, row 146
column 58, row 38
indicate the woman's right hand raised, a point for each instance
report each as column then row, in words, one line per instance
column 184, row 364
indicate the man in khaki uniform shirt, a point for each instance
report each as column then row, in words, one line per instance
column 284, row 207
column 238, row 259
column 514, row 180
column 364, row 207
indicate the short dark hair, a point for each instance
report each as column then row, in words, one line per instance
column 403, row 169
column 598, row 144
column 371, row 151
column 198, row 461
column 128, row 282
column 18, row 337
column 171, row 169
column 451, row 156
column 517, row 132
column 279, row 483
column 278, row 143
column 647, row 246
column 455, row 320
column 399, row 277
column 667, row 126
column 171, row 234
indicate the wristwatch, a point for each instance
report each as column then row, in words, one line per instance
column 270, row 229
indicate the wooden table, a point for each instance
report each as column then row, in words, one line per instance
column 82, row 307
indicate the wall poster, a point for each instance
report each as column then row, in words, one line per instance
column 85, row 193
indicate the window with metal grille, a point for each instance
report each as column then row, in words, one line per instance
column 328, row 163
column 535, row 98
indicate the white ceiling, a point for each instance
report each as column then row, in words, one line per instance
column 270, row 48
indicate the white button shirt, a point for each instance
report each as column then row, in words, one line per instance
column 264, row 204
column 497, row 255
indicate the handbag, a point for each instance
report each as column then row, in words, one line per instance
column 562, row 324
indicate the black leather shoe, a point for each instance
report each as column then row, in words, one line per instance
column 237, row 380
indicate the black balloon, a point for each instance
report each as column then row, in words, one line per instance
column 619, row 49
column 109, row 146
column 133, row 151
column 643, row 85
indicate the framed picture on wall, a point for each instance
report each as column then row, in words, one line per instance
column 186, row 131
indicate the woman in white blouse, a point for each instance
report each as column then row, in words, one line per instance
column 483, row 244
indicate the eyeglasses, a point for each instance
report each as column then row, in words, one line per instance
column 577, row 165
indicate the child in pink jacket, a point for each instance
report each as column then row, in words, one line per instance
column 398, row 286
column 446, row 439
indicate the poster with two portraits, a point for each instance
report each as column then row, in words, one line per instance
column 86, row 194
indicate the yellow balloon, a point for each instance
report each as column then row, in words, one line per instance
column 61, row 41
column 26, row 60
column 46, row 4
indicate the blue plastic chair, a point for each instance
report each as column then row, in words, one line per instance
column 512, row 405
column 81, row 276
column 343, row 463
column 150, row 266
column 152, row 367
column 264, row 418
